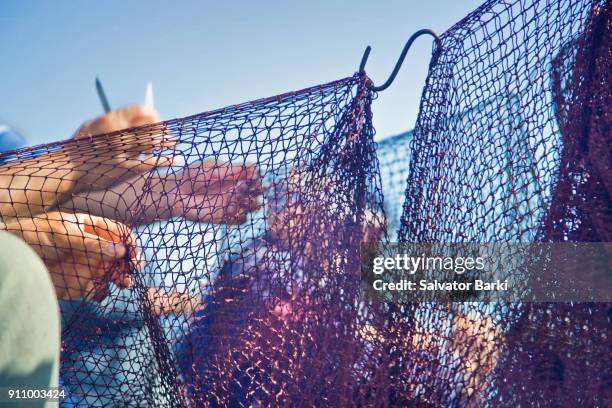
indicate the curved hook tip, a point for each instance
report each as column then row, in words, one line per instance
column 400, row 60
column 364, row 59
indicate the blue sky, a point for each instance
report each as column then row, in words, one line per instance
column 204, row 55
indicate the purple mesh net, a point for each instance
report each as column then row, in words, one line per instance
column 512, row 144
column 174, row 293
column 394, row 154
column 191, row 309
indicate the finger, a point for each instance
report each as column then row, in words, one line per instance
column 248, row 172
column 234, row 216
column 124, row 271
column 197, row 215
column 236, row 213
column 203, row 208
column 256, row 188
column 103, row 228
column 242, row 188
column 121, row 234
column 149, row 163
column 73, row 239
column 226, row 178
column 169, row 160
column 199, row 209
column 121, row 274
column 95, row 277
column 221, row 171
column 246, row 187
column 245, row 194
column 108, row 230
column 88, row 269
column 230, row 214
column 114, row 231
column 85, row 291
column 235, row 172
column 251, row 177
column 99, row 249
column 99, row 291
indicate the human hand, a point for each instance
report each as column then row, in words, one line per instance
column 102, row 162
column 82, row 252
column 166, row 303
column 33, row 185
column 476, row 344
column 214, row 193
column 123, row 118
column 476, row 341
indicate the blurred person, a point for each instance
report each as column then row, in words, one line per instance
column 269, row 276
column 29, row 322
column 109, row 179
column 61, row 253
column 79, row 250
column 39, row 180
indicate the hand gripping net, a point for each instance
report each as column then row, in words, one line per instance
column 511, row 144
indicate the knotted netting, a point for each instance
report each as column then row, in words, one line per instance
column 393, row 155
column 512, row 144
column 231, row 277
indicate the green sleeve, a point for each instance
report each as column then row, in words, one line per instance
column 29, row 320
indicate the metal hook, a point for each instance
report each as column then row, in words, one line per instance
column 402, row 56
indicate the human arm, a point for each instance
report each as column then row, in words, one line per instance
column 32, row 185
column 206, row 191
column 202, row 192
column 125, row 304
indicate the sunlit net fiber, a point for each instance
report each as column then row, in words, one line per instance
column 512, row 144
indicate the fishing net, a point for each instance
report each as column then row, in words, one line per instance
column 512, row 145
column 204, row 304
column 393, row 154
column 225, row 249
